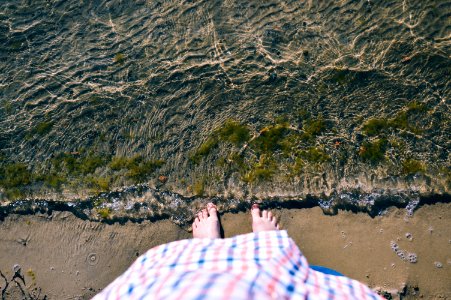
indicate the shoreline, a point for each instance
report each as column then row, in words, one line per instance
column 144, row 203
column 66, row 256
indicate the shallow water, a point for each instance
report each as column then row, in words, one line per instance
column 156, row 78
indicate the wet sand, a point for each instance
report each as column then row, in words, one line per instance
column 69, row 258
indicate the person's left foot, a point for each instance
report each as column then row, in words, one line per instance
column 206, row 224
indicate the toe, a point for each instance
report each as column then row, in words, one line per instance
column 270, row 216
column 195, row 223
column 212, row 210
column 204, row 213
column 199, row 215
column 255, row 211
column 265, row 214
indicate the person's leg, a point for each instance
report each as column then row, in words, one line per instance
column 206, row 224
column 263, row 220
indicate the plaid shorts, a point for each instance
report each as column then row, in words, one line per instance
column 263, row 265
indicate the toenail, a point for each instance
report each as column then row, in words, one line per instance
column 254, row 206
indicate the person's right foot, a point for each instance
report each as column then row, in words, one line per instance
column 263, row 220
column 206, row 224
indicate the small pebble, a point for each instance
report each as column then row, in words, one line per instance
column 16, row 268
column 409, row 236
column 438, row 264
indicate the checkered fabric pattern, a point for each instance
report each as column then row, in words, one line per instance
column 263, row 265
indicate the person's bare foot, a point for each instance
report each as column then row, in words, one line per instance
column 263, row 220
column 206, row 224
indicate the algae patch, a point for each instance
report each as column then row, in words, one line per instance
column 92, row 172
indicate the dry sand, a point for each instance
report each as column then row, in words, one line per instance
column 68, row 258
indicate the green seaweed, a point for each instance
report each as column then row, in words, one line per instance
column 104, row 213
column 41, row 129
column 199, row 187
column 53, row 179
column 271, row 138
column 119, row 162
column 44, row 127
column 78, row 163
column 263, row 170
column 342, row 76
column 412, row 166
column 75, row 169
column 141, row 169
column 375, row 126
column 119, row 58
column 234, row 132
column 238, row 161
column 15, row 175
column 297, row 167
column 289, row 143
column 138, row 168
column 373, row 152
column 416, row 107
column 204, row 149
column 315, row 155
column 90, row 163
column 302, row 114
column 314, row 126
column 14, row 193
column 8, row 107
column 400, row 121
column 98, row 184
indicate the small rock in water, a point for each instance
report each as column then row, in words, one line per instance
column 438, row 264
column 409, row 236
